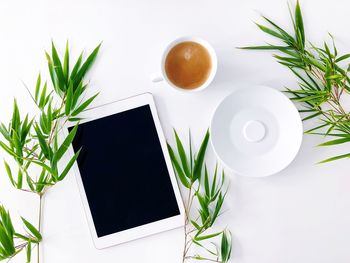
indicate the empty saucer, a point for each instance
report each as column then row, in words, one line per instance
column 256, row 131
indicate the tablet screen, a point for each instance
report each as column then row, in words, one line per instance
column 123, row 171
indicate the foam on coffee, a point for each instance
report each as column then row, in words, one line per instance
column 188, row 65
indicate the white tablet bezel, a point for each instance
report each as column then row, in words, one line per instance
column 147, row 229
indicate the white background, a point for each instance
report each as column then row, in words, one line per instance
column 299, row 215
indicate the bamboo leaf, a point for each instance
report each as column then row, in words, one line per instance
column 42, row 142
column 86, row 65
column 179, row 172
column 198, row 164
column 16, row 119
column 19, row 179
column 9, row 173
column 43, row 97
column 312, row 116
column 69, row 99
column 195, row 225
column 336, row 158
column 37, row 88
column 335, row 142
column 346, row 56
column 43, row 165
column 213, row 186
column 29, row 251
column 32, row 229
column 267, row 47
column 84, row 105
column 66, row 64
column 30, row 183
column 58, row 68
column 226, row 246
column 76, row 66
column 68, row 166
column 182, row 155
column 8, row 149
column 66, row 143
column 199, row 238
column 52, row 73
column 269, row 31
column 206, row 182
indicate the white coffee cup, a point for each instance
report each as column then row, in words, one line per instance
column 214, row 63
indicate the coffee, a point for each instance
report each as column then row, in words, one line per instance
column 188, row 65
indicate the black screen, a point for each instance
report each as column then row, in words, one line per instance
column 123, row 170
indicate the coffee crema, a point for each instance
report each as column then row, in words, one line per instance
column 188, row 65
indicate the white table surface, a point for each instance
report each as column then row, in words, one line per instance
column 299, row 215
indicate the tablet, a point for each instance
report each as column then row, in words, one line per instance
column 124, row 173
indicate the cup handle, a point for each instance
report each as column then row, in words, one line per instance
column 156, row 77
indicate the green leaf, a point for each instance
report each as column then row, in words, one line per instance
column 269, row 31
column 19, row 179
column 74, row 119
column 199, row 238
column 299, row 22
column 16, row 119
column 37, row 88
column 6, row 241
column 336, row 158
column 29, row 251
column 334, row 142
column 218, row 206
column 346, row 56
column 226, row 246
column 84, row 105
column 335, row 76
column 69, row 99
column 191, row 154
column 204, row 204
column 58, row 68
column 179, row 172
column 66, row 64
column 9, row 173
column 208, row 250
column 35, row 232
column 312, row 116
column 26, row 126
column 43, row 165
column 66, row 143
column 86, row 65
column 198, row 164
column 68, row 166
column 39, row 185
column 206, row 182
column 42, row 142
column 182, row 155
column 43, row 97
column 287, row 38
column 76, row 66
column 20, row 236
column 267, row 47
column 79, row 90
column 52, row 73
column 195, row 225
column 8, row 149
column 213, row 186
column 30, row 182
column 5, row 132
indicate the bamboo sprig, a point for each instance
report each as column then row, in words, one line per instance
column 12, row 242
column 209, row 196
column 323, row 78
column 33, row 142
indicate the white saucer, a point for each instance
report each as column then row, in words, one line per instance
column 256, row 131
